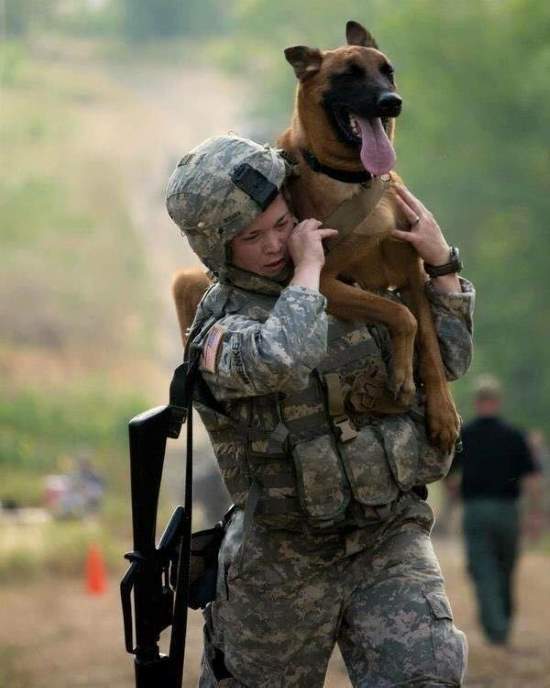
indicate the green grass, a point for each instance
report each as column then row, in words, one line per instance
column 76, row 301
column 37, row 426
column 11, row 674
column 55, row 548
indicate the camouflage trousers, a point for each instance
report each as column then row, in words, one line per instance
column 285, row 599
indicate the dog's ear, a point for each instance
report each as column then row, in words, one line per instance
column 356, row 34
column 305, row 61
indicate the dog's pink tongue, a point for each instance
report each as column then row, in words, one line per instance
column 377, row 153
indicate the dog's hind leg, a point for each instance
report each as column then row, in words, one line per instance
column 441, row 415
column 352, row 303
column 188, row 288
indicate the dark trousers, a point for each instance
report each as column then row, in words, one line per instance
column 491, row 530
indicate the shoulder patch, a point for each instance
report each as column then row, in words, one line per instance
column 209, row 354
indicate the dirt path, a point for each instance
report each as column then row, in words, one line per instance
column 166, row 112
column 55, row 634
column 527, row 663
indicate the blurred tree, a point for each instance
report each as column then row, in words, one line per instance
column 17, row 16
column 143, row 19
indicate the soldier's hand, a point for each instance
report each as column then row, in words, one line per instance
column 424, row 234
column 305, row 244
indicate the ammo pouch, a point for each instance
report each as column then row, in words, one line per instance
column 413, row 459
column 334, row 459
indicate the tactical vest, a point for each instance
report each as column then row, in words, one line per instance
column 313, row 461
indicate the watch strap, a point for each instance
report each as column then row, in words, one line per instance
column 454, row 264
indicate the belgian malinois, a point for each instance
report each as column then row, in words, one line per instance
column 342, row 128
column 341, row 137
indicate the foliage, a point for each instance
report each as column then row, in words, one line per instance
column 39, row 429
column 57, row 548
column 12, row 62
column 140, row 20
column 472, row 143
column 132, row 20
column 86, row 18
column 18, row 16
column 75, row 294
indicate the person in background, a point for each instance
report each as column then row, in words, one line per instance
column 496, row 467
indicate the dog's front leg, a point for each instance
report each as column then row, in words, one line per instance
column 442, row 418
column 351, row 303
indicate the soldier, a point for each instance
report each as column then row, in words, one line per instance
column 495, row 467
column 330, row 540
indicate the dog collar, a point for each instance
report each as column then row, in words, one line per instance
column 339, row 175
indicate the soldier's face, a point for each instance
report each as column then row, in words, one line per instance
column 262, row 246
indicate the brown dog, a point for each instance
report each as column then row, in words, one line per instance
column 342, row 126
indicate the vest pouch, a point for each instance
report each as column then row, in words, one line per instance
column 367, row 468
column 322, row 488
column 402, row 449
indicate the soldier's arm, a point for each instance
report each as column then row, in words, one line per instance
column 244, row 357
column 453, row 317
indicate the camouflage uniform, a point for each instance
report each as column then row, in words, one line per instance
column 330, row 542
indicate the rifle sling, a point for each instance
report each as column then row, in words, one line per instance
column 181, row 404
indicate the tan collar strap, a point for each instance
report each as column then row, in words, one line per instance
column 349, row 214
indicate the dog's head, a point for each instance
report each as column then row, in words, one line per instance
column 347, row 101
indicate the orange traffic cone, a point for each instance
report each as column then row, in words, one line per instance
column 96, row 577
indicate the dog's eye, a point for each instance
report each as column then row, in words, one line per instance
column 354, row 70
column 388, row 71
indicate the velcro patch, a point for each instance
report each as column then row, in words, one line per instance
column 210, row 349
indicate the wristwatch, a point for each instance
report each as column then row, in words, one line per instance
column 454, row 264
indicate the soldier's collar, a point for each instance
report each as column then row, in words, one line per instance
column 250, row 281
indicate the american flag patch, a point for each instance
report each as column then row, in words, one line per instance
column 211, row 346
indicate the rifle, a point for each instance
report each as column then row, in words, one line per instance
column 158, row 576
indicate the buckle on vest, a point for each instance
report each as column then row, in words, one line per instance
column 344, row 429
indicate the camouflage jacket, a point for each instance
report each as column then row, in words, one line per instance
column 267, row 354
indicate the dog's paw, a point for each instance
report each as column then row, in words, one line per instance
column 403, row 388
column 443, row 424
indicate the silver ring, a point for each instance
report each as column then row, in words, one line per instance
column 415, row 222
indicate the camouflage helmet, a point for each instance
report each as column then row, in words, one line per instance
column 219, row 188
